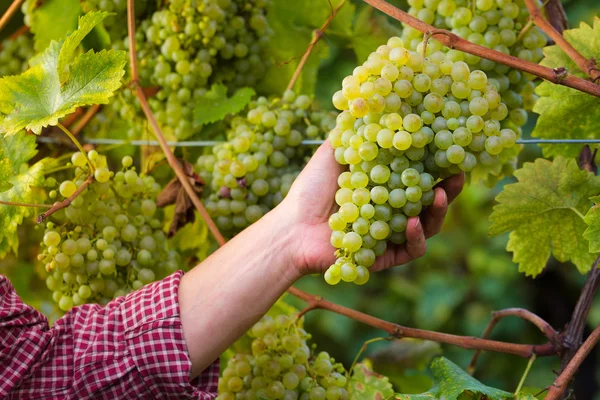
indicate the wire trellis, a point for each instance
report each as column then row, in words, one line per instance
column 210, row 143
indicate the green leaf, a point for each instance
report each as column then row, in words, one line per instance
column 544, row 211
column 37, row 98
column 52, row 20
column 215, row 105
column 14, row 151
column 567, row 113
column 366, row 384
column 592, row 219
column 450, row 381
column 72, row 42
column 22, row 191
column 293, row 24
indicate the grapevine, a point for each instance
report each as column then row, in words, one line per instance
column 449, row 95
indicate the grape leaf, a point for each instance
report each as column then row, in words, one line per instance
column 366, row 384
column 72, row 42
column 371, row 30
column 592, row 219
column 14, row 152
column 22, row 191
column 52, row 20
column 450, row 381
column 293, row 24
column 215, row 105
column 37, row 98
column 567, row 113
column 544, row 211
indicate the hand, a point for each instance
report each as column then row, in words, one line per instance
column 310, row 203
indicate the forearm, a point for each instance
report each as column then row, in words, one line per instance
column 225, row 295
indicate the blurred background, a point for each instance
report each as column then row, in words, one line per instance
column 464, row 276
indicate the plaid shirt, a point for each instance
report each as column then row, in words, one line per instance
column 133, row 348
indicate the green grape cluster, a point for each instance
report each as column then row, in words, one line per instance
column 406, row 121
column 15, row 54
column 282, row 366
column 109, row 240
column 185, row 48
column 501, row 25
column 253, row 170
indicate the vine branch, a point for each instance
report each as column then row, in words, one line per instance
column 562, row 382
column 527, row 315
column 557, row 75
column 574, row 331
column 10, row 12
column 66, row 202
column 83, row 121
column 399, row 331
column 171, row 159
column 587, row 66
column 556, row 15
column 317, row 34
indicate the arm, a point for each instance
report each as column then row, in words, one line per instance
column 226, row 294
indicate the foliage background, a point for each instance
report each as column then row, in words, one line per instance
column 463, row 277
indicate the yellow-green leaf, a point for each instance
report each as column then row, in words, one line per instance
column 14, row 151
column 366, row 384
column 592, row 219
column 36, row 98
column 72, row 42
column 450, row 381
column 544, row 213
column 22, row 191
column 567, row 113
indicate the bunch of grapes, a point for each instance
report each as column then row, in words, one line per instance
column 109, row 240
column 406, row 122
column 501, row 25
column 253, row 171
column 185, row 48
column 15, row 54
column 282, row 366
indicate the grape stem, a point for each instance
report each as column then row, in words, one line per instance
column 526, row 315
column 172, row 160
column 527, row 369
column 363, row 348
column 317, row 34
column 10, row 12
column 66, row 202
column 562, row 381
column 79, row 146
column 8, row 203
column 587, row 66
column 449, row 39
column 399, row 331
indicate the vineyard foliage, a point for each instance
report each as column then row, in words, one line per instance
column 83, row 223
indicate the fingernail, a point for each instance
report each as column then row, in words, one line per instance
column 445, row 197
column 417, row 224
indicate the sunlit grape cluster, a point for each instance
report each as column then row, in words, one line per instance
column 406, row 121
column 282, row 366
column 501, row 25
column 109, row 240
column 253, row 171
column 186, row 47
column 15, row 54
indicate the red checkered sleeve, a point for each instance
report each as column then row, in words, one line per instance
column 132, row 348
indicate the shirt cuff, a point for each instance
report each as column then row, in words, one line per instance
column 154, row 337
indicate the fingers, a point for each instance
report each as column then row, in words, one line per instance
column 452, row 186
column 414, row 247
column 433, row 218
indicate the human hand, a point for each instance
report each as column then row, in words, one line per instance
column 310, row 203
